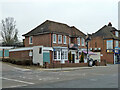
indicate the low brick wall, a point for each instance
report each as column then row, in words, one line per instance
column 58, row 65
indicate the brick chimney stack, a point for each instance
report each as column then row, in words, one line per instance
column 109, row 24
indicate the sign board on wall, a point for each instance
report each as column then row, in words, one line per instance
column 30, row 53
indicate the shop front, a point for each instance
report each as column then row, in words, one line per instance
column 116, row 55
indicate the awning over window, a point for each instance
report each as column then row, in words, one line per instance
column 89, row 52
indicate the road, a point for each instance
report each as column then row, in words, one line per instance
column 95, row 77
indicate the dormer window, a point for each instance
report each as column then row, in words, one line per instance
column 31, row 40
column 116, row 33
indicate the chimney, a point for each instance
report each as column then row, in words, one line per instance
column 109, row 24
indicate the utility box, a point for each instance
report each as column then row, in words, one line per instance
column 38, row 55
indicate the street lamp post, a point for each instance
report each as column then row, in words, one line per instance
column 87, row 40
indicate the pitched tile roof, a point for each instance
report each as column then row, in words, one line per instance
column 106, row 32
column 55, row 27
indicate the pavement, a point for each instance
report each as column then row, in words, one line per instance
column 14, row 76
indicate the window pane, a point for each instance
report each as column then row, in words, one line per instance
column 40, row 50
column 66, row 56
column 59, row 38
column 54, row 38
column 30, row 40
column 55, row 54
column 82, row 41
column 117, row 44
column 109, row 44
column 116, row 33
column 59, row 56
column 78, row 41
column 63, row 55
column 64, row 39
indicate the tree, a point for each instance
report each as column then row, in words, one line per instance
column 9, row 32
column 82, row 57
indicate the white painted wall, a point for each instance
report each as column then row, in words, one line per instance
column 37, row 58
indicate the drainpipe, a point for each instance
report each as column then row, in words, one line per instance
column 51, row 39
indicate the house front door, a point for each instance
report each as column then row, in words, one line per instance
column 73, row 58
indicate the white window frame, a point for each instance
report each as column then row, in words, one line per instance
column 109, row 42
column 59, row 42
column 78, row 41
column 58, row 54
column 64, row 56
column 116, row 33
column 64, row 39
column 83, row 41
column 54, row 36
column 30, row 40
column 116, row 44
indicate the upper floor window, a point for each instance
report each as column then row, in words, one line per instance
column 117, row 44
column 116, row 33
column 31, row 40
column 54, row 38
column 78, row 41
column 60, row 39
column 64, row 39
column 83, row 42
column 109, row 44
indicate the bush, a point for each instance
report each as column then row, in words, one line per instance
column 27, row 62
column 6, row 60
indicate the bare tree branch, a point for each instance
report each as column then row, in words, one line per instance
column 9, row 32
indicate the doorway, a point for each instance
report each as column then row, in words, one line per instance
column 73, row 58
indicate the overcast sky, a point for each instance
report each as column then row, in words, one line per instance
column 87, row 15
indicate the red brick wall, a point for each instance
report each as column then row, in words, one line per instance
column 20, row 55
column 38, row 40
column 64, row 45
column 109, row 57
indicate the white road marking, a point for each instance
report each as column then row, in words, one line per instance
column 93, row 79
column 40, row 79
column 17, row 86
column 17, row 80
column 21, row 69
column 58, row 78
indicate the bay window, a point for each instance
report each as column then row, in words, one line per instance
column 59, row 56
column 109, row 44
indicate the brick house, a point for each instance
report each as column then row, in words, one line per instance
column 58, row 36
column 106, row 41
